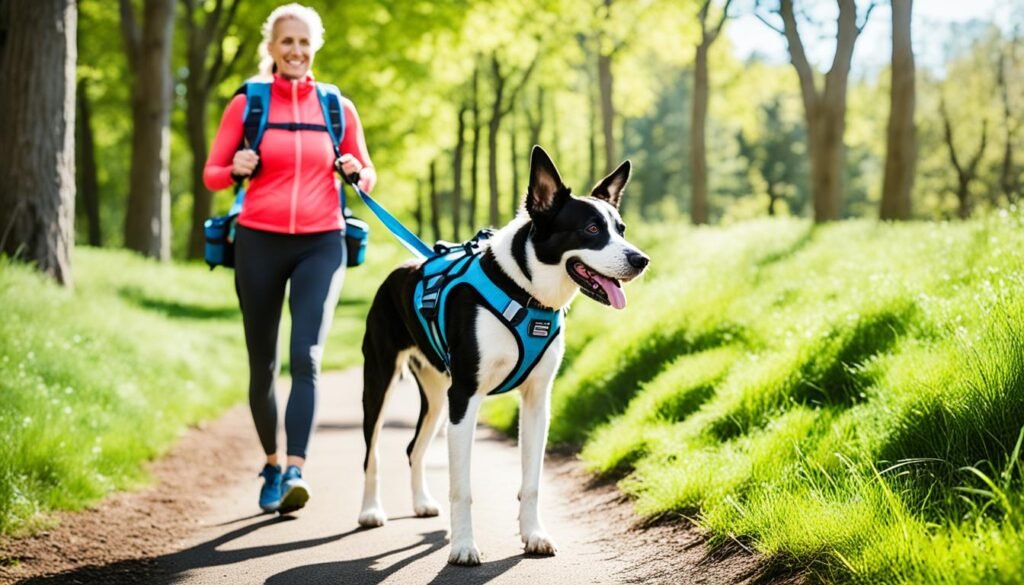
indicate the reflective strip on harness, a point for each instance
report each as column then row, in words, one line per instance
column 533, row 329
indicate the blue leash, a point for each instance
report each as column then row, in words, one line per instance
column 408, row 239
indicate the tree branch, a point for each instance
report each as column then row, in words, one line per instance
column 948, row 132
column 721, row 21
column 229, row 69
column 217, row 72
column 768, row 24
column 522, row 82
column 867, row 15
column 212, row 21
column 973, row 166
column 798, row 56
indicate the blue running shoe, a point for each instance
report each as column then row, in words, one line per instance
column 295, row 490
column 270, row 493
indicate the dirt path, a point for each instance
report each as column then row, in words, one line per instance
column 198, row 524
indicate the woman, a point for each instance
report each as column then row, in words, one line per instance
column 289, row 230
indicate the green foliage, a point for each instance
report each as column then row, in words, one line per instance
column 97, row 380
column 848, row 398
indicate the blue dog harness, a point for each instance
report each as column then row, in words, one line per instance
column 534, row 328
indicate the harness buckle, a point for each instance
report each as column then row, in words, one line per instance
column 514, row 313
column 431, row 294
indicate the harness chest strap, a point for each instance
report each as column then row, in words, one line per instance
column 534, row 329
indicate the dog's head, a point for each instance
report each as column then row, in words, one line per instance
column 585, row 235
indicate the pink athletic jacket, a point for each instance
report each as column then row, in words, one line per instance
column 295, row 190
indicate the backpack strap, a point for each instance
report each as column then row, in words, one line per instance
column 257, row 110
column 330, row 104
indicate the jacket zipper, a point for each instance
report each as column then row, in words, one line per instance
column 298, row 156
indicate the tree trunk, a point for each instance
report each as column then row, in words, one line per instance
column 605, row 83
column 964, row 173
column 475, row 157
column 901, row 146
column 435, row 202
column 824, row 111
column 460, row 145
column 536, row 123
column 698, row 158
column 492, row 141
column 38, row 58
column 514, row 152
column 772, row 199
column 418, row 211
column 1009, row 179
column 88, row 182
column 698, row 121
column 592, row 135
column 148, row 217
column 827, row 157
column 204, row 73
column 202, row 198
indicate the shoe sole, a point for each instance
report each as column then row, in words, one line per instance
column 294, row 499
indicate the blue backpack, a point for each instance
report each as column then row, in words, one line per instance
column 220, row 231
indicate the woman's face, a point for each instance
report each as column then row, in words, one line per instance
column 291, row 48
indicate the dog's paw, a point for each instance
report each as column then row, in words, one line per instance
column 372, row 518
column 427, row 508
column 465, row 555
column 539, row 543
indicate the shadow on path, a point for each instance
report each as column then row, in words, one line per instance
column 362, row 571
column 174, row 567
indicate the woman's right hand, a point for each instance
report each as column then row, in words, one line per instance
column 244, row 163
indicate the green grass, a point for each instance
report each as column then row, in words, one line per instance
column 848, row 399
column 97, row 380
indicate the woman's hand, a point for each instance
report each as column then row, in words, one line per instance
column 244, row 163
column 349, row 165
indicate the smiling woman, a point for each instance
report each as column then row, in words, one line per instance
column 290, row 232
column 292, row 35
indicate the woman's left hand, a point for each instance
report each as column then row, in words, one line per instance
column 349, row 165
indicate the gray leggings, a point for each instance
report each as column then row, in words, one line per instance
column 264, row 263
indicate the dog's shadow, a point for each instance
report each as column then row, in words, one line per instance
column 371, row 570
column 364, row 571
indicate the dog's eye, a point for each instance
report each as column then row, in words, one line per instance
column 622, row 229
column 593, row 230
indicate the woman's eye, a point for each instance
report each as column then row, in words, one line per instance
column 593, row 229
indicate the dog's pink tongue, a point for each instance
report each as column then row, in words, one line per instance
column 616, row 296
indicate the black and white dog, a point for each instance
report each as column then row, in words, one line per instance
column 561, row 245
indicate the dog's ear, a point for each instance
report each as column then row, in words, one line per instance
column 546, row 193
column 611, row 187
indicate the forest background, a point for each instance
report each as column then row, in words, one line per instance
column 453, row 93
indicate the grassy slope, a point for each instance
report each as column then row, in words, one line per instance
column 847, row 398
column 95, row 381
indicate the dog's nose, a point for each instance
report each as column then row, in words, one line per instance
column 637, row 260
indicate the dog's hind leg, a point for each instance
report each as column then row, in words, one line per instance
column 433, row 387
column 380, row 372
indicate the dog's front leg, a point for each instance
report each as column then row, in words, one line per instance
column 533, row 435
column 460, row 445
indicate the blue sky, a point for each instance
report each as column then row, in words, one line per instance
column 931, row 24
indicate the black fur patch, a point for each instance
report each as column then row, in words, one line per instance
column 519, row 248
column 568, row 231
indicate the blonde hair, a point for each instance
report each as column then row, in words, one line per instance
column 303, row 14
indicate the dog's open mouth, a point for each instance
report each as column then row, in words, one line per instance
column 595, row 285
